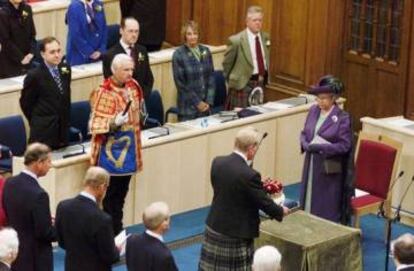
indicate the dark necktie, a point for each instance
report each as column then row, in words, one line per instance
column 91, row 14
column 58, row 80
column 259, row 57
column 133, row 54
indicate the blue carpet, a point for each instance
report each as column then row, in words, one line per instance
column 192, row 223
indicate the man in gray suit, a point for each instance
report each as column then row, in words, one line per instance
column 246, row 60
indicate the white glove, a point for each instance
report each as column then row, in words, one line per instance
column 121, row 119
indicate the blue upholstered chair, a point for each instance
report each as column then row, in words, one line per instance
column 79, row 118
column 12, row 136
column 155, row 110
column 113, row 35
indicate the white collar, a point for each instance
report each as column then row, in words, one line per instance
column 8, row 265
column 252, row 35
column 31, row 174
column 402, row 266
column 155, row 235
column 125, row 46
column 88, row 195
column 242, row 155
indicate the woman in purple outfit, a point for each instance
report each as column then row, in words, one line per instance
column 327, row 140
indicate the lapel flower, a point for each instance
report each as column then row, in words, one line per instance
column 334, row 118
column 98, row 8
column 141, row 57
column 203, row 54
column 268, row 43
column 25, row 14
column 64, row 70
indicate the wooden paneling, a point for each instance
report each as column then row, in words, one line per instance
column 376, row 87
column 178, row 11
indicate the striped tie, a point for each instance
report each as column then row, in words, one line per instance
column 58, row 81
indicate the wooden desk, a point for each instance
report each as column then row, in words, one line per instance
column 310, row 243
column 49, row 17
column 87, row 77
column 396, row 128
column 177, row 166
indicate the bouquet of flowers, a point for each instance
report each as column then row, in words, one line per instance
column 273, row 187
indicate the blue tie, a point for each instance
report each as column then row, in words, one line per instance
column 58, row 81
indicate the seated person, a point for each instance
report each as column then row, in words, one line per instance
column 147, row 252
column 87, row 31
column 17, row 38
column 193, row 75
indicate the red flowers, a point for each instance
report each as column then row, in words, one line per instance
column 272, row 186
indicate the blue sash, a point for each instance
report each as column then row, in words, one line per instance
column 118, row 153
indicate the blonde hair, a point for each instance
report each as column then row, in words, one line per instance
column 245, row 138
column 189, row 24
column 155, row 214
column 96, row 176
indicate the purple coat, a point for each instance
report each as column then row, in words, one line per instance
column 327, row 189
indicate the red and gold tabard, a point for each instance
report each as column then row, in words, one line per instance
column 106, row 102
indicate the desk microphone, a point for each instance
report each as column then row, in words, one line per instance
column 258, row 145
column 381, row 207
column 397, row 212
column 160, row 126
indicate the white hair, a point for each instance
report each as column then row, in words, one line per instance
column 253, row 10
column 267, row 258
column 9, row 243
column 155, row 214
column 118, row 60
column 246, row 137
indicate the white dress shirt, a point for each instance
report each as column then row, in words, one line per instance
column 125, row 46
column 155, row 235
column 31, row 174
column 87, row 195
column 252, row 45
column 248, row 162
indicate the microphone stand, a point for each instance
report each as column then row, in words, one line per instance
column 390, row 220
column 381, row 207
column 258, row 145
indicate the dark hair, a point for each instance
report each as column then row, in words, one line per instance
column 333, row 82
column 36, row 152
column 404, row 249
column 123, row 21
column 45, row 41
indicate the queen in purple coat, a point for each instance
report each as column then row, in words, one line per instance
column 326, row 140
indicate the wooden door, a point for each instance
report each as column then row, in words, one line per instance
column 375, row 60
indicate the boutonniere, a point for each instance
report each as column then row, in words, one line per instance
column 64, row 70
column 334, row 118
column 98, row 8
column 268, row 43
column 203, row 54
column 141, row 57
column 25, row 14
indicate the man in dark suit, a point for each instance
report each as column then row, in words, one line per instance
column 45, row 98
column 152, row 16
column 27, row 209
column 233, row 220
column 84, row 230
column 403, row 248
column 147, row 251
column 9, row 247
column 128, row 45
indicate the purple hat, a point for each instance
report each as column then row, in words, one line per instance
column 327, row 84
column 315, row 90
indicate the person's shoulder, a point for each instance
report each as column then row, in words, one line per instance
column 26, row 7
column 141, row 48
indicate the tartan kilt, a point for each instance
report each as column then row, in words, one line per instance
column 223, row 253
column 240, row 97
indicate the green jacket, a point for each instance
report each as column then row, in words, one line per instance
column 238, row 63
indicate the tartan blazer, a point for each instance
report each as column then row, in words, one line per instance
column 194, row 79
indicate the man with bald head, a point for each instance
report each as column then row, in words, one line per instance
column 84, row 230
column 117, row 108
column 147, row 251
column 130, row 30
column 403, row 248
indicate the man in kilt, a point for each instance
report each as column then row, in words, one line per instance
column 233, row 221
column 246, row 60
